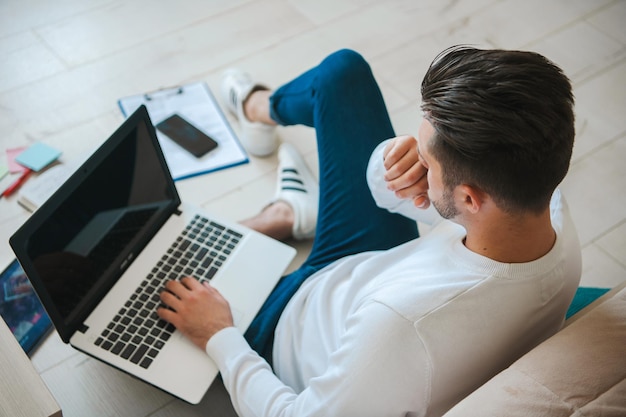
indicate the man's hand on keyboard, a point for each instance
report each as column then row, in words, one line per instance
column 198, row 310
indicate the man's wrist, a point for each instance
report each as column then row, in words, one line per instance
column 224, row 343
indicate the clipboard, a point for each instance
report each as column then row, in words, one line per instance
column 195, row 103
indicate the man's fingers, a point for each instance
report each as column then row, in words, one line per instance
column 175, row 291
column 175, row 287
column 191, row 283
column 181, row 288
column 170, row 299
column 400, row 167
column 395, row 152
column 413, row 176
column 167, row 315
column 421, row 201
column 411, row 192
column 391, row 155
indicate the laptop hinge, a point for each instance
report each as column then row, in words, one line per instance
column 83, row 328
column 178, row 212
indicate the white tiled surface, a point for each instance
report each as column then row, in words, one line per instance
column 65, row 63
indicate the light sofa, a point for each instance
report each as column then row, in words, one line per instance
column 580, row 371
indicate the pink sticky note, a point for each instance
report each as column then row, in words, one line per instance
column 12, row 153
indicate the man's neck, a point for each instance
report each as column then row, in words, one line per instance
column 511, row 239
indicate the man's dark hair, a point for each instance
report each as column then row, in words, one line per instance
column 504, row 122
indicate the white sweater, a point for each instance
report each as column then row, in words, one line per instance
column 404, row 332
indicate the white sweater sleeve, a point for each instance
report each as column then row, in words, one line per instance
column 380, row 369
column 386, row 199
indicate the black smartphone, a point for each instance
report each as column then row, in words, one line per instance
column 187, row 135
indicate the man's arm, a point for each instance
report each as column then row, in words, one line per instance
column 398, row 181
column 380, row 367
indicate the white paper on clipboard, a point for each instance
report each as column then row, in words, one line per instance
column 195, row 103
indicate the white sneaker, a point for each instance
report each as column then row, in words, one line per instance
column 257, row 138
column 297, row 186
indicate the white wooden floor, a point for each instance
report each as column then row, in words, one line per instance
column 65, row 63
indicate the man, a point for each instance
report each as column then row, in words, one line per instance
column 379, row 322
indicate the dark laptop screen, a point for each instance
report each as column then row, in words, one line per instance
column 98, row 221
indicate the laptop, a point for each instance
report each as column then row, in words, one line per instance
column 100, row 249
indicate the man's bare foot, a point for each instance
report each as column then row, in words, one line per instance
column 275, row 221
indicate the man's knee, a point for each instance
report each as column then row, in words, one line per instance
column 343, row 67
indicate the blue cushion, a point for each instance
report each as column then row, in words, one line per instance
column 583, row 297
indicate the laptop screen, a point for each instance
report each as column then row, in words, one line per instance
column 84, row 237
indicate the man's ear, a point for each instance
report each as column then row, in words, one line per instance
column 471, row 198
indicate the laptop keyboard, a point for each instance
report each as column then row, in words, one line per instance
column 137, row 333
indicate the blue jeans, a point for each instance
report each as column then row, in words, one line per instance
column 341, row 100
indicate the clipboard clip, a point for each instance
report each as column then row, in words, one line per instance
column 163, row 93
